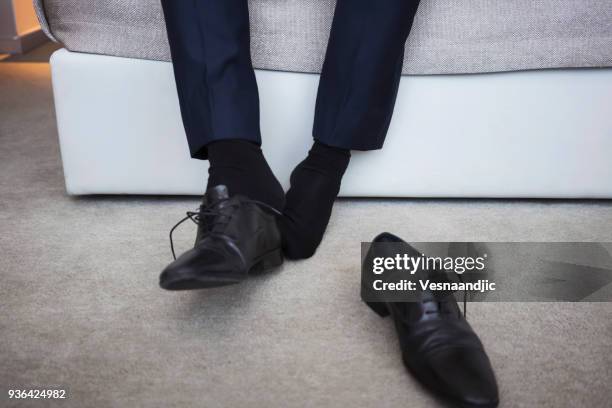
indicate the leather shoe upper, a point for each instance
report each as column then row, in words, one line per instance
column 235, row 235
column 439, row 346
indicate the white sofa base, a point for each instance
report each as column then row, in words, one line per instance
column 544, row 134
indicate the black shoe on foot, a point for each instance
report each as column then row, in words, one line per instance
column 438, row 345
column 236, row 236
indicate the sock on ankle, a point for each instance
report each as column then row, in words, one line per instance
column 315, row 184
column 241, row 166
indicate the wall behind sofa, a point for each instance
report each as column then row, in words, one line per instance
column 19, row 28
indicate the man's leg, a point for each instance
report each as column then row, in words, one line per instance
column 357, row 93
column 361, row 72
column 210, row 47
column 237, row 230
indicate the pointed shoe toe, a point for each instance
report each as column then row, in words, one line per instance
column 202, row 267
column 462, row 375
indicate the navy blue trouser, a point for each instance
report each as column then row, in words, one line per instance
column 210, row 47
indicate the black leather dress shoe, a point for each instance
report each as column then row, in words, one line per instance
column 236, row 236
column 438, row 345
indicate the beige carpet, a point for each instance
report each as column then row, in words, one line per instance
column 81, row 309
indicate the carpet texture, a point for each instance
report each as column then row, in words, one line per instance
column 81, row 309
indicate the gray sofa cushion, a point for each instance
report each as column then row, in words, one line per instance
column 449, row 36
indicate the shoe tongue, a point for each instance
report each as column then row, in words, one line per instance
column 215, row 194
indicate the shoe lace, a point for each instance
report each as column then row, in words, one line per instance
column 212, row 212
column 464, row 298
column 442, row 304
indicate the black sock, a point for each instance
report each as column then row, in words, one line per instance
column 315, row 184
column 241, row 166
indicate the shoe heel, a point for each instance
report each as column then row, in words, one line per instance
column 379, row 307
column 272, row 260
